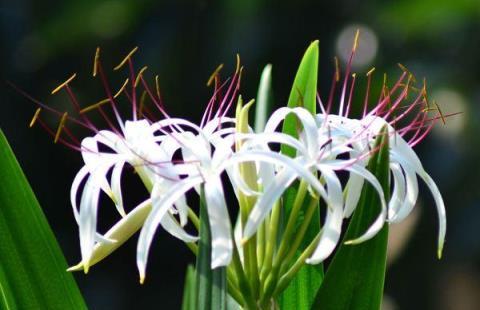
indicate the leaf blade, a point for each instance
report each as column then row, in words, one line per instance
column 33, row 272
column 356, row 275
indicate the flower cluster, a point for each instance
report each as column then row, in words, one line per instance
column 175, row 159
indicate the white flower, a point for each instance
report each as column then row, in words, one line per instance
column 143, row 150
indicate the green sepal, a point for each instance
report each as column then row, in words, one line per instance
column 356, row 275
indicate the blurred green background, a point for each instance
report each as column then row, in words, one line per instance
column 44, row 42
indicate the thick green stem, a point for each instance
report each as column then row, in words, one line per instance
column 271, row 241
column 290, row 274
column 300, row 234
column 272, row 278
column 242, row 281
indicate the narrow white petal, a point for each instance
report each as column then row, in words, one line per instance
column 116, row 187
column 74, row 190
column 330, row 236
column 442, row 217
column 219, row 219
column 160, row 207
column 354, row 190
column 411, row 190
column 398, row 194
column 172, row 227
column 266, row 201
column 88, row 221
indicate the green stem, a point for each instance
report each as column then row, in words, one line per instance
column 194, row 218
column 272, row 241
column 290, row 274
column 234, row 292
column 272, row 278
column 300, row 234
column 242, row 280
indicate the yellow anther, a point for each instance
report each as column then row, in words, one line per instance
column 35, row 117
column 404, row 69
column 440, row 112
column 354, row 75
column 121, row 89
column 60, row 127
column 370, row 71
column 355, row 41
column 214, row 74
column 64, row 83
column 337, row 69
column 126, row 59
column 238, row 63
column 94, row 106
column 95, row 61
column 139, row 75
column 103, row 101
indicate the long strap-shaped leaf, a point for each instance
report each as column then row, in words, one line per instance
column 355, row 277
column 32, row 267
column 210, row 283
column 301, row 291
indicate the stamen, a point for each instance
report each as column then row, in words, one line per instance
column 127, row 58
column 355, row 41
column 404, row 69
column 35, row 117
column 350, row 95
column 440, row 112
column 337, row 69
column 104, row 101
column 95, row 61
column 367, row 93
column 139, row 75
column 60, row 127
column 370, row 71
column 211, row 79
column 157, row 88
column 63, row 84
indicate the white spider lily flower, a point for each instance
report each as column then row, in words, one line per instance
column 405, row 166
column 139, row 148
column 203, row 166
column 316, row 151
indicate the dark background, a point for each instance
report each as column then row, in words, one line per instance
column 44, row 42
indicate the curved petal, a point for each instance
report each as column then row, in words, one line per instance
column 219, row 219
column 160, row 207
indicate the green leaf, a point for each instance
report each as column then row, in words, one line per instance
column 32, row 267
column 303, row 93
column 355, row 277
column 301, row 291
column 264, row 99
column 211, row 283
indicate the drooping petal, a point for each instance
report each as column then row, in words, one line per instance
column 173, row 228
column 266, row 201
column 330, row 235
column 160, row 207
column 88, row 221
column 222, row 246
column 79, row 177
column 116, row 187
